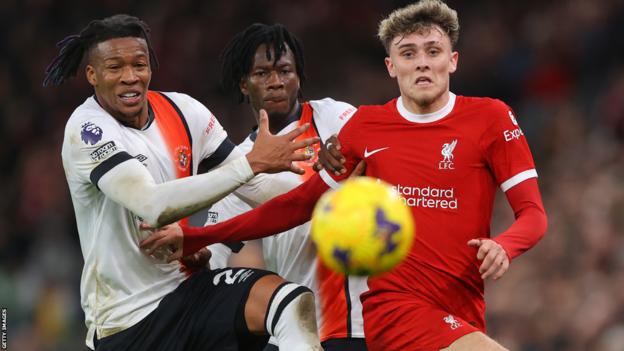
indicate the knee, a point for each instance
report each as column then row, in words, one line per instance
column 257, row 303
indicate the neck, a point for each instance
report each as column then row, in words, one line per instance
column 137, row 121
column 277, row 122
column 424, row 107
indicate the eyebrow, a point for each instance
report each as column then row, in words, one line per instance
column 429, row 43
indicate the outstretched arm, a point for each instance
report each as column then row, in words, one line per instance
column 131, row 185
column 528, row 228
column 283, row 212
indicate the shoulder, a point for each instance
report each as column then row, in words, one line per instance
column 184, row 102
column 367, row 113
column 90, row 118
column 329, row 106
column 486, row 107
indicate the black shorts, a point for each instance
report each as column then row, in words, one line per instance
column 343, row 344
column 206, row 312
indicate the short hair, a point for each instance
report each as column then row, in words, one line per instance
column 237, row 57
column 73, row 48
column 417, row 16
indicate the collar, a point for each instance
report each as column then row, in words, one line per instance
column 427, row 117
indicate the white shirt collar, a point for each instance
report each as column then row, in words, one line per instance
column 427, row 117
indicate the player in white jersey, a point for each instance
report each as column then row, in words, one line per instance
column 129, row 155
column 264, row 65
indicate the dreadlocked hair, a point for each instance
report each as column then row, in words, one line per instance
column 73, row 48
column 237, row 57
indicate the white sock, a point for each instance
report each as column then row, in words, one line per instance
column 291, row 318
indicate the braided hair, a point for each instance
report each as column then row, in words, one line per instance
column 73, row 48
column 237, row 57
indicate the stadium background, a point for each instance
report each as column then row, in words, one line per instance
column 559, row 64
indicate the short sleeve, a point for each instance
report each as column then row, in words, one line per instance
column 330, row 116
column 210, row 139
column 506, row 149
column 93, row 146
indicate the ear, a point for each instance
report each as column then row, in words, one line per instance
column 91, row 76
column 454, row 58
column 390, row 67
column 242, row 85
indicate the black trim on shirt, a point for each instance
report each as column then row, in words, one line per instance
column 235, row 247
column 186, row 127
column 103, row 168
column 348, row 298
column 150, row 116
column 223, row 151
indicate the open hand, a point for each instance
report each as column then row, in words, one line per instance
column 276, row 153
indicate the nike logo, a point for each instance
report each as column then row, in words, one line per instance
column 367, row 154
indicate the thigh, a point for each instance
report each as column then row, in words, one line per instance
column 344, row 344
column 206, row 312
column 397, row 321
column 475, row 341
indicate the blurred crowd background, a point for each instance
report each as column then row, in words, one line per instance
column 559, row 64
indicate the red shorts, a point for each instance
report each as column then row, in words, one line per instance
column 396, row 321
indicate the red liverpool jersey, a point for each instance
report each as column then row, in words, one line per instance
column 447, row 165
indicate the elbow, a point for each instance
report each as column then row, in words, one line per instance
column 542, row 224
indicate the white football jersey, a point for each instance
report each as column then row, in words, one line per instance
column 120, row 284
column 292, row 254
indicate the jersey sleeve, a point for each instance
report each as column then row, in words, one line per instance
column 93, row 146
column 506, row 149
column 330, row 116
column 211, row 141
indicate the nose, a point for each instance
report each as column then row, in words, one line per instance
column 274, row 80
column 422, row 63
column 129, row 76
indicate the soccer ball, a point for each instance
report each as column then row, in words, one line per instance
column 362, row 228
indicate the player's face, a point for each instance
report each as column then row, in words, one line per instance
column 422, row 63
column 119, row 71
column 270, row 85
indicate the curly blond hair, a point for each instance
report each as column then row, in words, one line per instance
column 416, row 17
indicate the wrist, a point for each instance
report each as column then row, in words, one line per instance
column 256, row 167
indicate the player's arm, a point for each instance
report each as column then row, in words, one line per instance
column 281, row 213
column 527, row 229
column 130, row 184
column 510, row 159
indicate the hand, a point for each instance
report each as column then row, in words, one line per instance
column 196, row 261
column 170, row 238
column 276, row 153
column 359, row 170
column 495, row 260
column 330, row 157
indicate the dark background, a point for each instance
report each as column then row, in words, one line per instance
column 559, row 64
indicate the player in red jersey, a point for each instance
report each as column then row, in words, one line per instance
column 446, row 155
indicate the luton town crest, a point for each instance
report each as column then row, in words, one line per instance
column 183, row 156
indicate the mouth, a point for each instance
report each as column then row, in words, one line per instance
column 130, row 98
column 423, row 81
